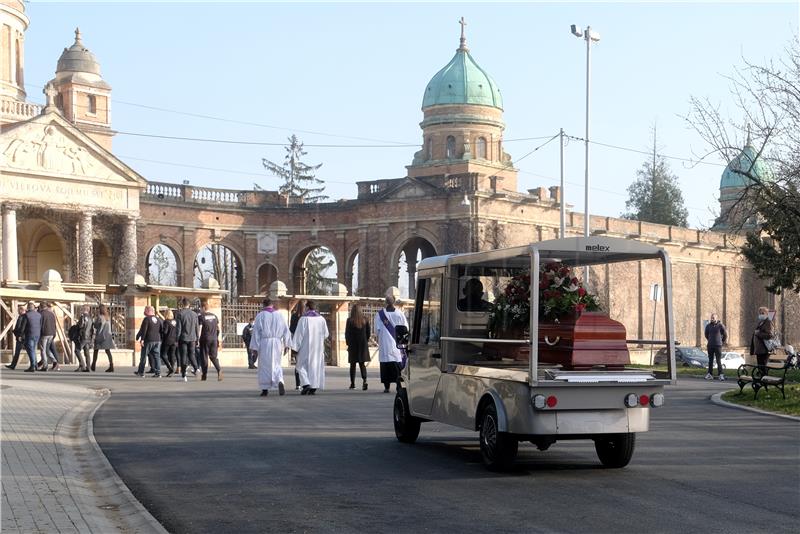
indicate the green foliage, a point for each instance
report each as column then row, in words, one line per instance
column 775, row 252
column 655, row 196
column 318, row 263
column 299, row 180
column 770, row 400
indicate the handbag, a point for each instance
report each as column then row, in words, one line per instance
column 772, row 343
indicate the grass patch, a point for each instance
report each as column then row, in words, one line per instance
column 769, row 400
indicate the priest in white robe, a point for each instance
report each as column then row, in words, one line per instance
column 389, row 355
column 269, row 339
column 309, row 342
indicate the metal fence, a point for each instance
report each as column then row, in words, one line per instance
column 117, row 310
column 232, row 314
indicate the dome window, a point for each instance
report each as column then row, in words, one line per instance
column 480, row 146
column 430, row 148
column 92, row 107
column 451, row 147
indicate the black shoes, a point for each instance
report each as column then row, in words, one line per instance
column 352, row 386
column 30, row 370
column 281, row 389
column 305, row 390
column 251, row 366
column 264, row 392
column 9, row 366
column 364, row 387
column 312, row 391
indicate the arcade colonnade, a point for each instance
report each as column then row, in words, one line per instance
column 87, row 246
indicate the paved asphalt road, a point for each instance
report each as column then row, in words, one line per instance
column 215, row 457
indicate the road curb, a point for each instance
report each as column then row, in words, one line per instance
column 143, row 519
column 717, row 399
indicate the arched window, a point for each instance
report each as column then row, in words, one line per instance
column 430, row 148
column 92, row 108
column 481, row 147
column 451, row 147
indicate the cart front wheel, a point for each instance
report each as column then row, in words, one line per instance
column 498, row 449
column 615, row 450
column 406, row 426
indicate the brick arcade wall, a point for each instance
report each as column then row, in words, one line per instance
column 708, row 274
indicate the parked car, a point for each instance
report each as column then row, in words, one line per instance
column 684, row 356
column 732, row 360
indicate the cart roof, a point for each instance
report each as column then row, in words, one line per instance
column 571, row 250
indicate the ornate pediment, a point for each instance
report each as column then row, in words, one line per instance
column 48, row 161
column 411, row 189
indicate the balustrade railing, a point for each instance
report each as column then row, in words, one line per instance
column 16, row 109
column 216, row 195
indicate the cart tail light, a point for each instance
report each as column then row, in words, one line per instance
column 631, row 400
column 657, row 400
column 644, row 400
column 552, row 401
column 539, row 402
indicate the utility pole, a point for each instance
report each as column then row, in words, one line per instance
column 562, row 208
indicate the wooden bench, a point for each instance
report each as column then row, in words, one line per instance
column 758, row 377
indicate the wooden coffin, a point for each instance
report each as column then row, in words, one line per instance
column 583, row 342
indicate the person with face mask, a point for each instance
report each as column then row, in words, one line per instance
column 716, row 336
column 764, row 330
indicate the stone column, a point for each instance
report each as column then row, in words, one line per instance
column 10, row 257
column 85, row 249
column 128, row 260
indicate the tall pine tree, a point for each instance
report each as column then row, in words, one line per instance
column 655, row 196
column 299, row 180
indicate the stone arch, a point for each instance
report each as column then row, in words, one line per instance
column 174, row 246
column 351, row 270
column 221, row 262
column 412, row 249
column 298, row 267
column 265, row 274
column 162, row 270
column 102, row 262
column 44, row 247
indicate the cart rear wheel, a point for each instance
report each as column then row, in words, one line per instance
column 406, row 426
column 498, row 449
column 615, row 450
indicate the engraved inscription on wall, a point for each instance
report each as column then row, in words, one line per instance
column 52, row 192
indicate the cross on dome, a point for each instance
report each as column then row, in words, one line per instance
column 463, row 43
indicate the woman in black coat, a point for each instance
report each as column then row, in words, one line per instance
column 356, row 335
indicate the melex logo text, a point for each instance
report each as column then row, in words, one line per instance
column 597, row 248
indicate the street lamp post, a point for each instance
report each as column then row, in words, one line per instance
column 589, row 36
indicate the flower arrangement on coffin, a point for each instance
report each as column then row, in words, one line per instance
column 560, row 294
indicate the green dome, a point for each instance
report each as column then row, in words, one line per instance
column 743, row 163
column 462, row 81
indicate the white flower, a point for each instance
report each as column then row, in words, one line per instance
column 558, row 281
column 572, row 288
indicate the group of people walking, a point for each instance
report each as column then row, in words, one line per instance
column 184, row 338
column 269, row 337
column 36, row 328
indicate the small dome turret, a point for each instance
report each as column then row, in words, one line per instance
column 78, row 58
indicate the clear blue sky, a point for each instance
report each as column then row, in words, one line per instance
column 358, row 70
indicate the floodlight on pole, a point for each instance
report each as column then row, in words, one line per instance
column 589, row 36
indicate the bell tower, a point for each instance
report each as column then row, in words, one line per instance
column 82, row 95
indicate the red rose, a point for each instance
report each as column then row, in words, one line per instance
column 575, row 281
column 580, row 307
column 581, row 292
column 544, row 284
column 564, row 271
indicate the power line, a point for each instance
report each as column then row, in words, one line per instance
column 647, row 153
column 535, row 149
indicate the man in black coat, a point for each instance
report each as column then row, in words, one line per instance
column 247, row 335
column 187, row 336
column 716, row 337
column 19, row 335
